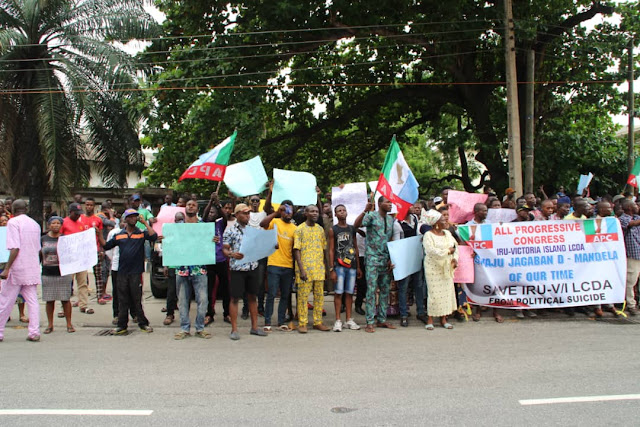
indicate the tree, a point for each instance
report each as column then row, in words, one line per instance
column 63, row 86
column 421, row 70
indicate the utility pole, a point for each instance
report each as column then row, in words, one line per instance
column 630, row 138
column 529, row 123
column 513, row 114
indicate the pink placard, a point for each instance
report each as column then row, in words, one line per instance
column 461, row 205
column 167, row 215
column 465, row 271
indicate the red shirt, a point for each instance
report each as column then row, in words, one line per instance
column 71, row 227
column 94, row 221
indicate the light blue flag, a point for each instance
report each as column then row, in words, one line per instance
column 406, row 256
column 299, row 187
column 258, row 243
column 584, row 182
column 4, row 252
column 188, row 244
column 246, row 178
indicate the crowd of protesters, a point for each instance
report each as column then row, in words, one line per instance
column 314, row 255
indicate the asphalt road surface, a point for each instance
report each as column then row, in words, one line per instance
column 476, row 374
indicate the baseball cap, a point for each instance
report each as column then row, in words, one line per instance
column 241, row 208
column 617, row 197
column 509, row 191
column 590, row 201
column 524, row 208
column 129, row 212
column 135, row 197
column 437, row 199
column 75, row 207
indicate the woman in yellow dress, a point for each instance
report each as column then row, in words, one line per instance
column 440, row 261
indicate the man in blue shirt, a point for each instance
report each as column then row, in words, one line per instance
column 130, row 240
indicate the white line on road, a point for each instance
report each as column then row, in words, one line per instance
column 579, row 399
column 121, row 412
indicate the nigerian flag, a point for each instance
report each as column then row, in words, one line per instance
column 212, row 164
column 397, row 182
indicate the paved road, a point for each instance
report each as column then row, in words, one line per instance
column 474, row 374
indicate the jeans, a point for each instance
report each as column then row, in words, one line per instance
column 418, row 286
column 184, row 285
column 346, row 282
column 277, row 278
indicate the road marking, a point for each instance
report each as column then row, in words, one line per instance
column 579, row 399
column 116, row 412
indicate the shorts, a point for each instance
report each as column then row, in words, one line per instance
column 243, row 281
column 346, row 280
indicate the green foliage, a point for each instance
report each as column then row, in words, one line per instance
column 65, row 89
column 428, row 72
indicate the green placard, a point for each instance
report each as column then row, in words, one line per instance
column 188, row 244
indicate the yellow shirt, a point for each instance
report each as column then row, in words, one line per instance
column 572, row 216
column 283, row 256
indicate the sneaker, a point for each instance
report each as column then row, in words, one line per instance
column 404, row 322
column 181, row 335
column 234, row 336
column 519, row 314
column 107, row 297
column 203, row 334
column 146, row 328
column 352, row 325
column 245, row 315
column 321, row 327
column 258, row 332
column 34, row 338
column 422, row 318
column 337, row 327
column 119, row 331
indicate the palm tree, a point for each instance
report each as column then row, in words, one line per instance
column 64, row 86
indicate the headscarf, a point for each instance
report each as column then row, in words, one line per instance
column 431, row 217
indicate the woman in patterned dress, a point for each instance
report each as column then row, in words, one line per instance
column 54, row 286
column 440, row 261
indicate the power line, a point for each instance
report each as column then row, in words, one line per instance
column 308, row 85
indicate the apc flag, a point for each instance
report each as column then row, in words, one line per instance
column 633, row 176
column 212, row 164
column 397, row 182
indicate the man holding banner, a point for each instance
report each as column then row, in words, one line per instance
column 75, row 223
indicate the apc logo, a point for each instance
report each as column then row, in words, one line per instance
column 477, row 236
column 601, row 230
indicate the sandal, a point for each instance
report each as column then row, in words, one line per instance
column 447, row 325
column 267, row 328
column 61, row 315
column 476, row 317
column 284, row 328
column 24, row 319
column 74, row 304
column 498, row 318
column 429, row 327
column 208, row 320
column 385, row 325
column 163, row 310
column 370, row 328
column 87, row 310
column 48, row 331
column 70, row 329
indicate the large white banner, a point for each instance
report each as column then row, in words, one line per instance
column 77, row 252
column 543, row 264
